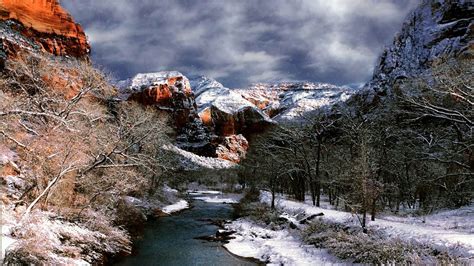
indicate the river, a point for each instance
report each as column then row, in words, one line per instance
column 170, row 240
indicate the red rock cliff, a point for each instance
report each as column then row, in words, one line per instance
column 48, row 25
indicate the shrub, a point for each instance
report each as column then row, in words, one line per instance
column 372, row 248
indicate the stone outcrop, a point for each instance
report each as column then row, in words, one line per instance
column 171, row 91
column 225, row 111
column 233, row 148
column 245, row 120
column 45, row 25
column 165, row 90
column 434, row 31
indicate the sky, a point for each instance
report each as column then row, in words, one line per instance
column 240, row 42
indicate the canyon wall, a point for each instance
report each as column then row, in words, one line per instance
column 41, row 25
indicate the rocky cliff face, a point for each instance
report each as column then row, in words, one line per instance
column 437, row 29
column 216, row 121
column 290, row 101
column 236, row 114
column 171, row 91
column 40, row 25
column 227, row 111
column 165, row 90
column 271, row 102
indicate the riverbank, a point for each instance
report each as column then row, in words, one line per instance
column 174, row 239
column 271, row 238
column 52, row 238
column 273, row 246
column 296, row 231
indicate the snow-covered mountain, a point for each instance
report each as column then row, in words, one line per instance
column 287, row 101
column 213, row 120
column 436, row 30
column 281, row 102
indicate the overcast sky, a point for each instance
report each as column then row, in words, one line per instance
column 242, row 42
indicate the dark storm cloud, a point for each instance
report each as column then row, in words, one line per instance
column 241, row 42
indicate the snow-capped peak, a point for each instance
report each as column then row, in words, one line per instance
column 141, row 80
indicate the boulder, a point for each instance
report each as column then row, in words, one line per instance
column 233, row 148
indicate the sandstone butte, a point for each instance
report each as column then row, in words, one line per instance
column 48, row 25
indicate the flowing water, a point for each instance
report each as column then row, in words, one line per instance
column 170, row 240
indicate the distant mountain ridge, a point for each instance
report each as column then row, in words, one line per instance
column 229, row 116
column 436, row 29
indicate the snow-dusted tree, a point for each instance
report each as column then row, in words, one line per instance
column 440, row 111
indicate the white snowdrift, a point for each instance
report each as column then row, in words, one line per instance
column 203, row 192
column 402, row 228
column 6, row 242
column 176, row 207
column 217, row 200
column 168, row 189
column 274, row 247
column 191, row 161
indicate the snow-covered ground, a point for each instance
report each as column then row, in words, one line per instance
column 168, row 189
column 176, row 207
column 435, row 231
column 6, row 241
column 203, row 192
column 461, row 220
column 191, row 161
column 274, row 247
column 217, row 199
column 213, row 196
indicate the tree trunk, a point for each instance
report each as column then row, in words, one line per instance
column 318, row 194
column 273, row 199
column 302, row 187
column 374, row 209
column 330, row 196
column 273, row 187
column 318, row 179
column 364, row 221
column 46, row 190
column 312, row 189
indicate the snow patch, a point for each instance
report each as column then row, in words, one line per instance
column 191, row 161
column 203, row 192
column 176, row 207
column 147, row 79
column 402, row 228
column 201, row 84
column 166, row 188
column 273, row 247
column 232, row 103
column 217, row 200
column 5, row 244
